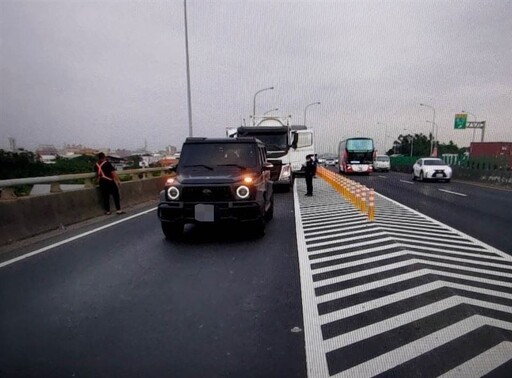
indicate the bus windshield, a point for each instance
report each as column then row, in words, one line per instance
column 360, row 145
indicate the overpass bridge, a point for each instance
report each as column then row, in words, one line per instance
column 327, row 292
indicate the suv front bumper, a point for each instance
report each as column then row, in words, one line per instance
column 185, row 212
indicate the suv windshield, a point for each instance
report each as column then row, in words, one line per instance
column 210, row 156
column 434, row 162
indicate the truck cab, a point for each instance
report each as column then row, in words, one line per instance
column 287, row 146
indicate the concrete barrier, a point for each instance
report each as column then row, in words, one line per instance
column 24, row 217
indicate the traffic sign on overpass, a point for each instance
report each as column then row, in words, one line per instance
column 460, row 121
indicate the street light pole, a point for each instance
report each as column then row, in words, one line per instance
column 254, row 103
column 436, row 128
column 307, row 106
column 189, row 96
column 433, row 123
column 385, row 134
column 411, row 140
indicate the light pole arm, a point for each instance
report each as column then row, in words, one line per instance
column 254, row 100
column 306, row 108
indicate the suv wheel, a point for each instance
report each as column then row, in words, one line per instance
column 172, row 231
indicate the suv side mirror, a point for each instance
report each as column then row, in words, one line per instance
column 267, row 166
column 295, row 141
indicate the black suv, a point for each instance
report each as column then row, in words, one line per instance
column 218, row 180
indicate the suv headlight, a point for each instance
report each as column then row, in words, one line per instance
column 243, row 192
column 173, row 193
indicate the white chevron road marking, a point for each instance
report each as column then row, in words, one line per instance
column 350, row 239
column 484, row 363
column 397, row 231
column 365, row 261
column 380, row 269
column 412, row 350
column 404, row 295
column 404, row 319
column 403, row 277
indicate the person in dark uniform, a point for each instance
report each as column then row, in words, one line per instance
column 109, row 182
column 309, row 172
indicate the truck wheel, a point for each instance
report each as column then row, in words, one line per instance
column 269, row 214
column 172, row 231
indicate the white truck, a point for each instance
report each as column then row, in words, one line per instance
column 287, row 146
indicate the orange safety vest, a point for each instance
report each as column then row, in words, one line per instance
column 100, row 171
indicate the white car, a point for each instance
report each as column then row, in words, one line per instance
column 330, row 161
column 381, row 163
column 431, row 169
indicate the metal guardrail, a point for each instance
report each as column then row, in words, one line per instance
column 7, row 186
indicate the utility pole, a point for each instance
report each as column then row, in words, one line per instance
column 189, row 96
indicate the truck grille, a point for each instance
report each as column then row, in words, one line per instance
column 206, row 194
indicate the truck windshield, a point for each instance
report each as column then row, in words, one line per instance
column 273, row 142
column 213, row 155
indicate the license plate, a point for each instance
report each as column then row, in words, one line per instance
column 204, row 213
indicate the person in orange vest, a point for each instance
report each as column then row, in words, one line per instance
column 108, row 180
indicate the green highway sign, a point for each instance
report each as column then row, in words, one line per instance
column 460, row 121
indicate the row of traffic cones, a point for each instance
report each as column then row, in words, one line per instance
column 362, row 197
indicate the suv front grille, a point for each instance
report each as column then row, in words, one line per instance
column 206, row 193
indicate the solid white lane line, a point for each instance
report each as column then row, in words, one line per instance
column 65, row 241
column 313, row 339
column 483, row 363
column 407, row 182
column 416, row 348
column 449, row 191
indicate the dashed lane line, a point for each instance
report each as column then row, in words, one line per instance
column 407, row 182
column 455, row 193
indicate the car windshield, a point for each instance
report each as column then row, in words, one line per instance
column 213, row 155
column 433, row 162
column 382, row 158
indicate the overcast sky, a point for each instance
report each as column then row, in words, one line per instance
column 113, row 73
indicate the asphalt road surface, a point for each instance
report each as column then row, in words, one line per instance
column 123, row 301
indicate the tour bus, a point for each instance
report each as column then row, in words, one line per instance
column 356, row 155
